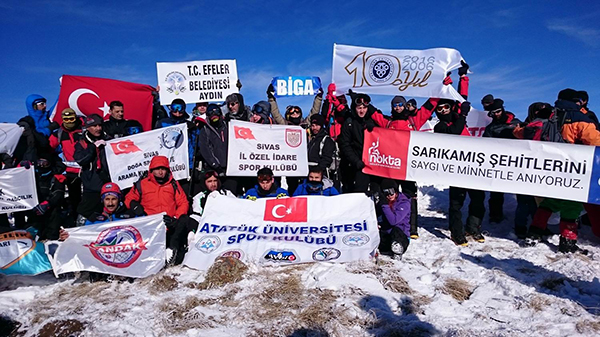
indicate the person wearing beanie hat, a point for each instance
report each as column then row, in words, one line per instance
column 236, row 108
column 261, row 113
column 178, row 115
column 585, row 110
column 316, row 184
column 335, row 110
column 502, row 126
column 293, row 113
column 322, row 150
column 486, row 101
column 576, row 126
column 91, row 157
column 64, row 139
column 395, row 228
column 113, row 209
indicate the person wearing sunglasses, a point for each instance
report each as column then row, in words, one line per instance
column 64, row 140
column 502, row 126
column 236, row 108
column 38, row 111
column 293, row 113
column 395, row 228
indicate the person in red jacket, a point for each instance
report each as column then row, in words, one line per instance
column 157, row 193
column 64, row 139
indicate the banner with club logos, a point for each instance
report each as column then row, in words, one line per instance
column 253, row 146
column 477, row 120
column 17, row 190
column 296, row 85
column 286, row 231
column 129, row 157
column 197, row 81
column 20, row 254
column 556, row 170
column 133, row 248
column 9, row 137
column 410, row 73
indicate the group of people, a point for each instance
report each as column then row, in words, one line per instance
column 74, row 186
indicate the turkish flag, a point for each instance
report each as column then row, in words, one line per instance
column 125, row 146
column 243, row 133
column 92, row 95
column 286, row 210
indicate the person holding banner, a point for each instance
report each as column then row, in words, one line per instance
column 335, row 110
column 50, row 181
column 316, row 184
column 113, row 209
column 90, row 155
column 178, row 115
column 293, row 114
column 266, row 187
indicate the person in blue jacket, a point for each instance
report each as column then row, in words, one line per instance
column 315, row 184
column 395, row 231
column 113, row 208
column 266, row 188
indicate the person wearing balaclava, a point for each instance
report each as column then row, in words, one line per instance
column 293, row 113
column 64, row 139
column 502, row 126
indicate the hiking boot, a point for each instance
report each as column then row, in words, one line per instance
column 414, row 236
column 538, row 234
column 397, row 248
column 478, row 237
column 521, row 232
column 460, row 240
column 570, row 246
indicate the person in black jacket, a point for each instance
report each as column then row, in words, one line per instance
column 321, row 148
column 502, row 126
column 351, row 142
column 90, row 155
column 117, row 126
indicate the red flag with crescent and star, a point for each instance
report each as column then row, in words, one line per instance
column 92, row 95
column 286, row 210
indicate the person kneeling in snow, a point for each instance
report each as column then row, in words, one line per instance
column 266, row 188
column 394, row 233
column 112, row 206
column 315, row 184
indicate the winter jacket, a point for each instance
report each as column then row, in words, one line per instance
column 398, row 214
column 276, row 191
column 121, row 213
column 405, row 122
column 155, row 197
column 63, row 140
column 455, row 123
column 243, row 113
column 32, row 145
column 40, row 118
column 50, row 187
column 327, row 190
column 591, row 115
column 199, row 200
column 352, row 138
column 118, row 128
column 334, row 118
column 577, row 128
column 502, row 128
column 321, row 156
column 212, row 146
column 279, row 119
column 94, row 168
column 541, row 129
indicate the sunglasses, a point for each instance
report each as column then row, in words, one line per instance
column 43, row 163
column 389, row 192
column 410, row 105
column 442, row 107
column 69, row 119
column 294, row 110
column 398, row 105
column 258, row 109
column 176, row 107
column 361, row 101
column 496, row 111
column 210, row 174
column 232, row 103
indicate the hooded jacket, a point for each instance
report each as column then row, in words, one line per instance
column 281, row 120
column 243, row 113
column 577, row 128
column 326, row 190
column 398, row 214
column 352, row 137
column 322, row 157
column 406, row 122
column 502, row 128
column 155, row 197
column 40, row 118
column 212, row 146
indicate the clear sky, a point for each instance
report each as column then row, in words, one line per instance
column 521, row 51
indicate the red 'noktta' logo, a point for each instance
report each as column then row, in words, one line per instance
column 286, row 210
column 125, row 146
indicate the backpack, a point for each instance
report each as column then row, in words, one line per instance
column 138, row 185
column 335, row 164
column 545, row 130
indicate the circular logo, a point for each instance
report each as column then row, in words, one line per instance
column 172, row 138
column 119, row 246
column 326, row 254
column 381, row 69
column 208, row 244
column 355, row 240
column 175, row 82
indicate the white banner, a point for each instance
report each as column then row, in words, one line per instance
column 410, row 73
column 282, row 148
column 9, row 137
column 133, row 248
column 477, row 120
column 286, row 231
column 17, row 190
column 129, row 157
column 197, row 81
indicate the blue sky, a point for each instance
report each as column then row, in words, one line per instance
column 521, row 51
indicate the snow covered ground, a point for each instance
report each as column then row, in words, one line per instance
column 499, row 288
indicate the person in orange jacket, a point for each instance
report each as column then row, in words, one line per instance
column 157, row 193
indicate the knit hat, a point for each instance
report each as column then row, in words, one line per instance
column 487, row 99
column 583, row 95
column 412, row 101
column 496, row 104
column 398, row 99
column 92, row 120
column 388, row 184
column 68, row 112
column 317, row 120
column 570, row 95
column 213, row 109
column 110, row 189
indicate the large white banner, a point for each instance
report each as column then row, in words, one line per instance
column 133, row 248
column 254, row 146
column 17, row 190
column 556, row 170
column 286, row 231
column 9, row 137
column 410, row 73
column 477, row 120
column 197, row 81
column 129, row 157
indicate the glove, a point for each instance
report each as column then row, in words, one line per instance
column 41, row 208
column 360, row 165
column 281, row 195
column 168, row 221
column 370, row 125
column 465, row 107
column 53, row 126
column 448, row 79
column 463, row 68
column 99, row 143
column 522, row 124
column 320, row 92
column 271, row 91
column 238, row 84
column 331, row 89
column 251, row 197
column 25, row 163
column 137, row 208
